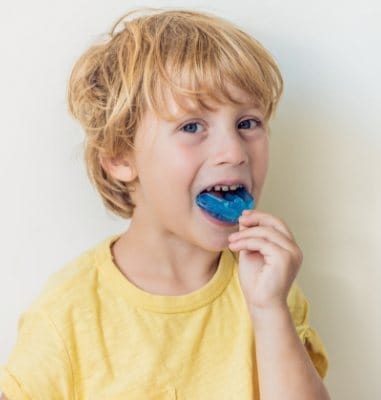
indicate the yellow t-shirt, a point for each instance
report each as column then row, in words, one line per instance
column 91, row 334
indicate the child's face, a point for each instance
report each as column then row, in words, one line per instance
column 175, row 161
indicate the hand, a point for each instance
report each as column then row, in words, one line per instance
column 269, row 259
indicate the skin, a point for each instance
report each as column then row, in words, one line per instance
column 269, row 260
column 169, row 167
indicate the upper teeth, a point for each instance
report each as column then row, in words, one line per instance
column 225, row 188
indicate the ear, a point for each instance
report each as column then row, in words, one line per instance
column 121, row 169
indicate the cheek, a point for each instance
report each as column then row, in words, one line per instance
column 265, row 163
column 178, row 162
column 260, row 161
column 167, row 173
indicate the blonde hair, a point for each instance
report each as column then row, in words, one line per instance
column 191, row 53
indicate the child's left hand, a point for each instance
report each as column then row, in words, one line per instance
column 269, row 259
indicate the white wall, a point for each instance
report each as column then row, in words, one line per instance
column 324, row 178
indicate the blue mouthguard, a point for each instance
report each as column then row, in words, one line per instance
column 229, row 208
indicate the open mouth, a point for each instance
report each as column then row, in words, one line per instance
column 222, row 192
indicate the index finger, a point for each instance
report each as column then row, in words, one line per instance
column 251, row 218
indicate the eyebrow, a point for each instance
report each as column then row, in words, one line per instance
column 184, row 114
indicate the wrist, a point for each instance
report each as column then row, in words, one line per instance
column 263, row 316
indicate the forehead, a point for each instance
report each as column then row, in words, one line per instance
column 176, row 107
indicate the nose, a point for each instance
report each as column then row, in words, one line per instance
column 229, row 148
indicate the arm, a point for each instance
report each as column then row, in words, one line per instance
column 269, row 260
column 285, row 369
column 38, row 343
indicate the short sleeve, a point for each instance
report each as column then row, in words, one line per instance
column 38, row 367
column 299, row 308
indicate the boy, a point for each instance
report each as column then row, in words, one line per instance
column 184, row 304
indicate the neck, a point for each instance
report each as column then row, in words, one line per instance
column 161, row 262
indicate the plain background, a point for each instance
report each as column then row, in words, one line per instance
column 324, row 177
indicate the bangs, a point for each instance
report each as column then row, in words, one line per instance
column 197, row 62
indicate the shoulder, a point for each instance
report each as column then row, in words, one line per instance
column 73, row 281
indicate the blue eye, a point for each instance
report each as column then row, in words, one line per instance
column 192, row 127
column 245, row 124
